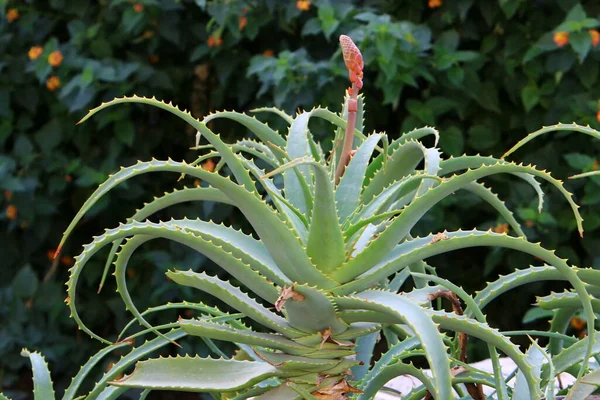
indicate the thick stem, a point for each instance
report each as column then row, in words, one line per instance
column 351, row 106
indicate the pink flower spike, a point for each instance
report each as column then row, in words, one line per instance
column 353, row 60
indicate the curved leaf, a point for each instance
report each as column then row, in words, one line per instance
column 195, row 374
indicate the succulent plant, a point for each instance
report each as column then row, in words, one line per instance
column 323, row 269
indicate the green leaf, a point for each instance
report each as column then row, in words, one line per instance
column 581, row 42
column 452, row 141
column 347, row 194
column 125, row 131
column 530, row 95
column 413, row 315
column 195, row 374
column 483, row 137
column 42, row 383
column 535, row 313
column 25, row 283
column 509, row 7
column 329, row 23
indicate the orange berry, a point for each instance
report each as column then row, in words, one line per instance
column 578, row 323
column 153, row 59
column 218, row 41
column 12, row 15
column 434, row 3
column 11, row 212
column 208, row 165
column 50, row 255
column 598, row 116
column 138, row 7
column 35, row 52
column 501, row 228
column 55, row 58
column 595, row 37
column 8, row 195
column 68, row 178
column 243, row 21
column 53, row 83
column 197, row 182
column 130, row 272
column 303, row 5
column 561, row 38
column 268, row 53
column 211, row 41
column 581, row 335
column 148, row 34
column 67, row 261
column 529, row 223
column 595, row 165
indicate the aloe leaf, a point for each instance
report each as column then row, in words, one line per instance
column 235, row 298
column 260, row 129
column 391, row 371
column 553, row 128
column 111, row 393
column 300, row 365
column 492, row 199
column 288, row 118
column 417, row 250
column 564, row 300
column 483, row 332
column 471, row 162
column 402, row 224
column 387, row 357
column 324, row 227
column 348, row 191
column 574, row 354
column 536, row 358
column 42, row 382
column 560, row 323
column 411, row 314
column 364, row 353
column 298, row 147
column 234, row 266
column 419, row 133
column 87, row 367
column 170, row 231
column 315, row 313
column 585, row 386
column 223, row 332
column 224, row 150
column 160, row 203
column 511, row 281
column 134, row 355
column 274, row 233
column 479, row 316
column 401, row 162
column 195, row 374
column 413, row 136
column 385, row 201
column 297, row 220
column 258, row 150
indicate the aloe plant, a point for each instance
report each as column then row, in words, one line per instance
column 323, row 269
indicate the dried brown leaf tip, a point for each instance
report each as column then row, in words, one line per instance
column 335, row 391
column 438, row 237
column 287, row 293
column 353, row 60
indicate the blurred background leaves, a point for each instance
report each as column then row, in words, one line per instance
column 484, row 73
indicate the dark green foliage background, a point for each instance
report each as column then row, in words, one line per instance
column 483, row 72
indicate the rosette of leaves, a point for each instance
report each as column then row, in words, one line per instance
column 323, row 269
